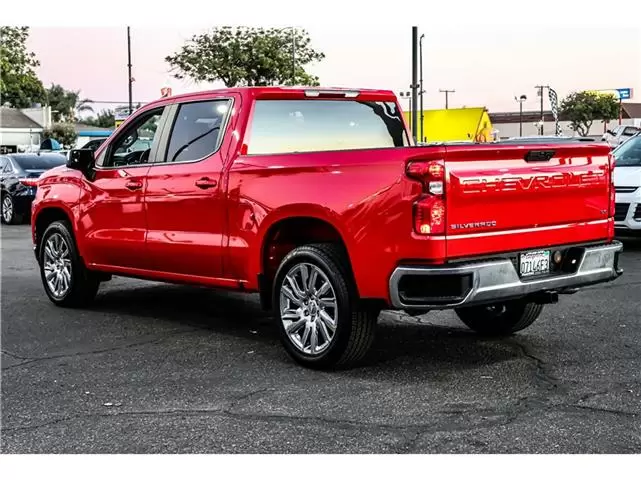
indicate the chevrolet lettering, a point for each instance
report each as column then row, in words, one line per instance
column 534, row 182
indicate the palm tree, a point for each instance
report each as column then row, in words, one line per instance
column 66, row 103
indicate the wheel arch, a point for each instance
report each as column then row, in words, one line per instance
column 44, row 217
column 288, row 230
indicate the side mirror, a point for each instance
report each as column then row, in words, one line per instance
column 610, row 132
column 80, row 159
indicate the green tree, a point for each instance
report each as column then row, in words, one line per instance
column 240, row 56
column 104, row 119
column 19, row 84
column 65, row 104
column 64, row 133
column 583, row 108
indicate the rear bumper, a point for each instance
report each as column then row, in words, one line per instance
column 496, row 280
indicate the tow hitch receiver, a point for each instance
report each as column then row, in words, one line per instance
column 545, row 298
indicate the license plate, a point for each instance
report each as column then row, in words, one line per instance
column 534, row 263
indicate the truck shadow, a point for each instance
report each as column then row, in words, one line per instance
column 429, row 350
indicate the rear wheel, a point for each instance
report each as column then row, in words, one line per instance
column 315, row 303
column 9, row 214
column 65, row 278
column 500, row 319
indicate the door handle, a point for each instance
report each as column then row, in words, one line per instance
column 133, row 185
column 205, row 183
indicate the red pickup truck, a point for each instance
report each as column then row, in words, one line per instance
column 319, row 200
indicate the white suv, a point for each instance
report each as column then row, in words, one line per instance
column 620, row 134
column 627, row 182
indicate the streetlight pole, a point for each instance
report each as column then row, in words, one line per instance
column 521, row 99
column 129, row 69
column 420, row 55
column 540, row 93
column 408, row 95
column 447, row 97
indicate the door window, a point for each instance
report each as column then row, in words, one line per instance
column 198, row 130
column 133, row 146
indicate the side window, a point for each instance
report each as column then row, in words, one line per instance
column 3, row 163
column 629, row 131
column 197, row 130
column 8, row 167
column 290, row 126
column 133, row 146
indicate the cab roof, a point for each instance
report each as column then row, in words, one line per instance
column 286, row 92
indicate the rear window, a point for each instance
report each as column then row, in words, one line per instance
column 629, row 154
column 288, row 126
column 39, row 162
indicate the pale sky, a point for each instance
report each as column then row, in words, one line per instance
column 487, row 66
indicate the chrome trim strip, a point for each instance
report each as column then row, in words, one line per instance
column 497, row 280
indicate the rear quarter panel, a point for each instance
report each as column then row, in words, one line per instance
column 363, row 194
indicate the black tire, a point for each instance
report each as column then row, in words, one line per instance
column 355, row 327
column 500, row 319
column 83, row 283
column 15, row 218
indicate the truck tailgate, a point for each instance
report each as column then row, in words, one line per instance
column 511, row 197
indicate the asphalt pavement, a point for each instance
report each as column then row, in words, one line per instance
column 156, row 368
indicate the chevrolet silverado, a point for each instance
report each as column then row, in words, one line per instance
column 320, row 201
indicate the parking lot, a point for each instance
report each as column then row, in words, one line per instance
column 153, row 368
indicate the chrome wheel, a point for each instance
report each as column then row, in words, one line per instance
column 308, row 308
column 7, row 209
column 57, row 265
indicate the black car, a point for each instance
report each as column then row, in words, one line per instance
column 94, row 144
column 18, row 173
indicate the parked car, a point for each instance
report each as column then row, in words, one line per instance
column 620, row 134
column 319, row 201
column 19, row 173
column 627, row 181
column 94, row 144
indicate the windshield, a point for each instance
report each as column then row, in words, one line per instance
column 629, row 154
column 39, row 162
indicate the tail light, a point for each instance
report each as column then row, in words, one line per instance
column 29, row 182
column 613, row 197
column 429, row 209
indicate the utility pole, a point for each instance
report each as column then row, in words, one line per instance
column 521, row 99
column 422, row 91
column 129, row 69
column 540, row 94
column 447, row 97
column 414, row 85
column 420, row 45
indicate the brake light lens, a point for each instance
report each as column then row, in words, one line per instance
column 429, row 209
column 429, row 216
column 29, row 182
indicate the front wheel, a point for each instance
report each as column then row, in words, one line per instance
column 65, row 278
column 500, row 319
column 315, row 303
